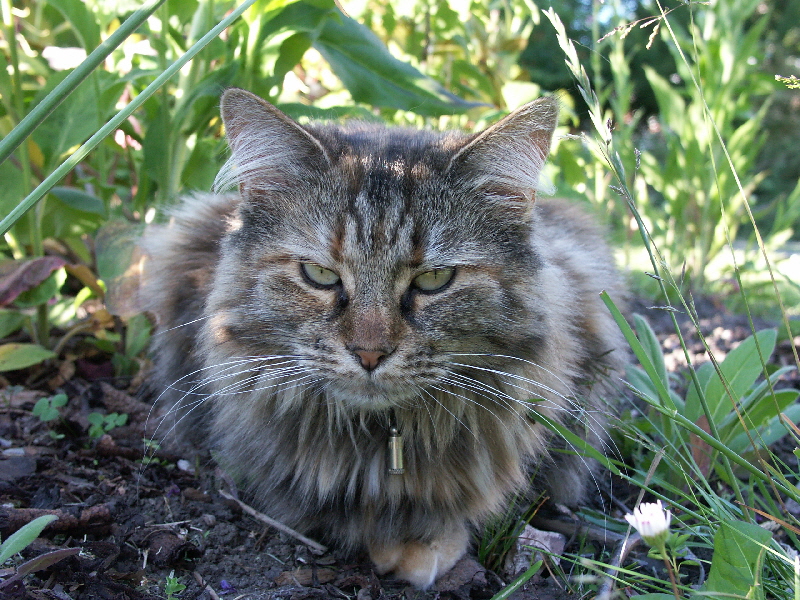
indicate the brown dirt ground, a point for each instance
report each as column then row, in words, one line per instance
column 136, row 524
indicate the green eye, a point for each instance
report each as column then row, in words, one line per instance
column 433, row 281
column 319, row 275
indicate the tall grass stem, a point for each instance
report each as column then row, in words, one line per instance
column 115, row 121
column 40, row 112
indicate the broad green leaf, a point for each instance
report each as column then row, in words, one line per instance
column 82, row 21
column 19, row 356
column 137, row 335
column 757, row 392
column 22, row 538
column 291, row 52
column 741, row 368
column 671, row 104
column 640, row 381
column 693, row 406
column 80, row 200
column 43, row 292
column 768, row 431
column 10, row 321
column 768, row 405
column 298, row 111
column 373, row 76
column 156, row 147
column 79, row 116
column 737, row 562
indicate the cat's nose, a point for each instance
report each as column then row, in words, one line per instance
column 370, row 359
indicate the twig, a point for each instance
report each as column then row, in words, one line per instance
column 625, row 545
column 276, row 524
column 91, row 520
column 202, row 583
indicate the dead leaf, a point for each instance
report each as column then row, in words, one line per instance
column 22, row 275
column 701, row 452
column 85, row 275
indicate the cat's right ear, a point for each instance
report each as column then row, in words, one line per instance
column 268, row 149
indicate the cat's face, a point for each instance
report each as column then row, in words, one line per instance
column 379, row 261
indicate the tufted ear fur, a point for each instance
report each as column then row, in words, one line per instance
column 506, row 160
column 268, row 149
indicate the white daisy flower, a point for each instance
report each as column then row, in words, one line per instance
column 651, row 521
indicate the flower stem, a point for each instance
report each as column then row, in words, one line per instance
column 670, row 570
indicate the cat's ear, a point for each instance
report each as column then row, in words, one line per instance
column 506, row 160
column 268, row 149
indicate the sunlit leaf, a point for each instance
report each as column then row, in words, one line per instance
column 20, row 356
column 373, row 76
column 82, row 21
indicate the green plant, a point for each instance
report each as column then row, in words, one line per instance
column 700, row 436
column 17, row 542
column 47, row 408
column 746, row 415
column 172, row 586
column 100, row 424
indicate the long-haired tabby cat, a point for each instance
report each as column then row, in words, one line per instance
column 368, row 286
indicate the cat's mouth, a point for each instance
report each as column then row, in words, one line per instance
column 370, row 393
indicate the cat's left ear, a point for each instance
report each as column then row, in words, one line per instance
column 506, row 160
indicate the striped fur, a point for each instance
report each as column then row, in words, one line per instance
column 261, row 363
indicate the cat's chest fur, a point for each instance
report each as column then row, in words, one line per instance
column 365, row 283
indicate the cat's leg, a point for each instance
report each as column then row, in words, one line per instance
column 421, row 563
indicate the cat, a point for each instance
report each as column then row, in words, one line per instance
column 365, row 287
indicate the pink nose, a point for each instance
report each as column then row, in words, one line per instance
column 369, row 358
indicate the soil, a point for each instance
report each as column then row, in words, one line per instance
column 136, row 524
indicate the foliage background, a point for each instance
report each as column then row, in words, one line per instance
column 689, row 140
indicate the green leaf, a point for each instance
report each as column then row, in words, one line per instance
column 42, row 293
column 19, row 356
column 769, row 431
column 652, row 347
column 10, row 321
column 23, row 537
column 156, row 146
column 644, row 359
column 737, row 562
column 741, row 368
column 82, row 21
column 80, row 200
column 137, row 335
column 373, row 76
column 79, row 116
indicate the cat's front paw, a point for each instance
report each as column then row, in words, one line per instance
column 421, row 563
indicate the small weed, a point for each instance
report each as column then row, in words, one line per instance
column 17, row 542
column 172, row 586
column 47, row 408
column 100, row 424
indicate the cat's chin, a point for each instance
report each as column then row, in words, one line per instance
column 360, row 399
